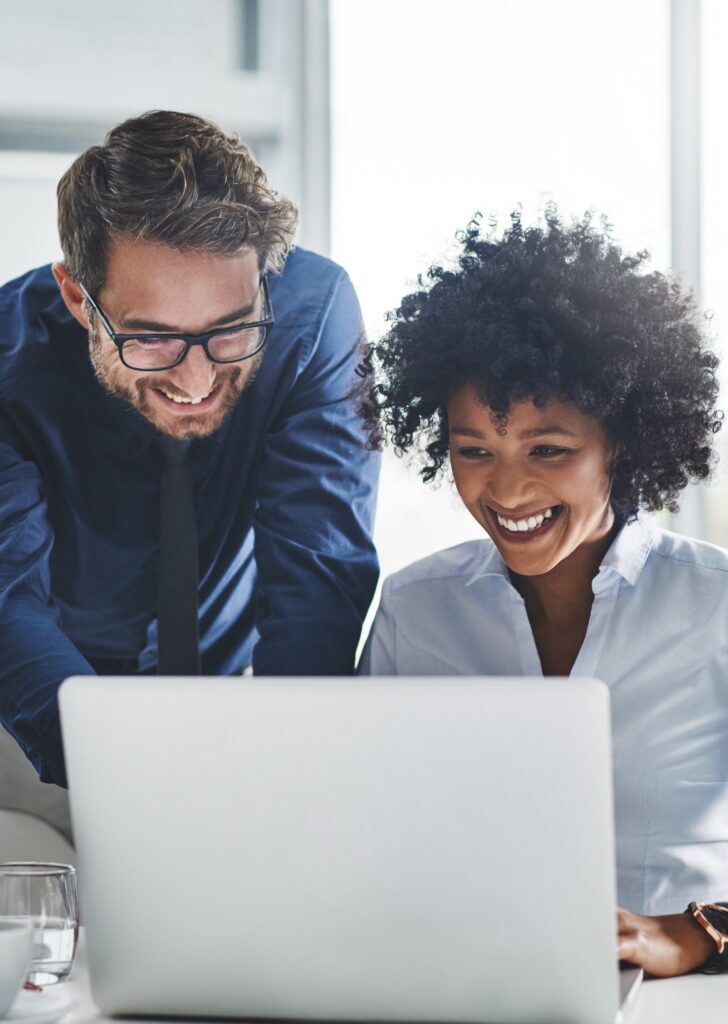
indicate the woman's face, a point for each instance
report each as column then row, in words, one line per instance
column 541, row 488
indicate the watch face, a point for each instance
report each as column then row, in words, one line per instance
column 717, row 915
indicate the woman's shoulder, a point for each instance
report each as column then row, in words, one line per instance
column 461, row 562
column 688, row 574
column 699, row 555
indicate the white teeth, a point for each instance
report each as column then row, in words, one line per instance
column 525, row 524
column 185, row 401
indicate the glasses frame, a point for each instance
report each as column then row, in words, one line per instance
column 189, row 339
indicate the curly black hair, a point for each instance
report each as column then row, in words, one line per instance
column 553, row 311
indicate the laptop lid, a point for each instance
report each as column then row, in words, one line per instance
column 361, row 848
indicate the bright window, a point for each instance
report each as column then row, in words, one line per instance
column 442, row 110
column 714, row 221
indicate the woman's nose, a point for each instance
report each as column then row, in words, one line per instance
column 508, row 486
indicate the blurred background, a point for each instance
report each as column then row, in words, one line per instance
column 391, row 123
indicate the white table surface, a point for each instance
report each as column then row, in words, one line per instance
column 686, row 1000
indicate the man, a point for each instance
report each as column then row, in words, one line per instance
column 181, row 337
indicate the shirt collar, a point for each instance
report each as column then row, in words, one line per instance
column 626, row 556
column 628, row 551
column 491, row 564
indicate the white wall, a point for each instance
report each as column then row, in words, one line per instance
column 28, row 210
column 70, row 69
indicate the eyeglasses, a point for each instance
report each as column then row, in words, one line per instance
column 162, row 351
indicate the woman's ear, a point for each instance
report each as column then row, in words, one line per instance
column 617, row 453
column 70, row 293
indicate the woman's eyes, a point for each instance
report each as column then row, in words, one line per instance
column 472, row 453
column 541, row 451
column 548, row 451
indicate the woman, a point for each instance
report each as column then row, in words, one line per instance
column 572, row 393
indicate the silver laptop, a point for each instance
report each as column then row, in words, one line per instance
column 353, row 849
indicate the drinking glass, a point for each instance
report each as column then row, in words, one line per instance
column 44, row 894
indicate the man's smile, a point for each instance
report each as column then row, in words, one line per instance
column 188, row 405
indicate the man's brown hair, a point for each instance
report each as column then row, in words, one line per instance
column 171, row 178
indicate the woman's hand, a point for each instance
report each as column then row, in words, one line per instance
column 664, row 946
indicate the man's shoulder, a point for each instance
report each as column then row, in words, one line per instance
column 32, row 318
column 36, row 289
column 305, row 287
column 305, row 265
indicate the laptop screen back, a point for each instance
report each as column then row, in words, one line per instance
column 393, row 849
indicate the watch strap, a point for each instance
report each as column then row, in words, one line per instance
column 713, row 917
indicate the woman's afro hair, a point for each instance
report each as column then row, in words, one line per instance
column 553, row 311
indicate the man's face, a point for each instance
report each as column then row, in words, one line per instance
column 152, row 287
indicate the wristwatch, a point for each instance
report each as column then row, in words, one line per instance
column 713, row 917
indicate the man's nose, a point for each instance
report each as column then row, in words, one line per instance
column 195, row 375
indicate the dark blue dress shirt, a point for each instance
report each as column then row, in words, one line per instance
column 284, row 494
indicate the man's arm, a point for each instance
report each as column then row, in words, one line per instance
column 317, row 568
column 36, row 655
column 379, row 657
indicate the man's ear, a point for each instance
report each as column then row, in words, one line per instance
column 70, row 293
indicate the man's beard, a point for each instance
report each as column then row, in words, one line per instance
column 109, row 369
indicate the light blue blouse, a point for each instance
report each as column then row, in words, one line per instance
column 657, row 636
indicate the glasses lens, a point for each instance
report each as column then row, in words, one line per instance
column 152, row 353
column 236, row 344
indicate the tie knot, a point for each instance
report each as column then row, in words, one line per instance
column 174, row 452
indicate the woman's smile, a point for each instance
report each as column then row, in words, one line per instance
column 523, row 528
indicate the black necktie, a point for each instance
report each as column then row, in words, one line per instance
column 178, row 637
